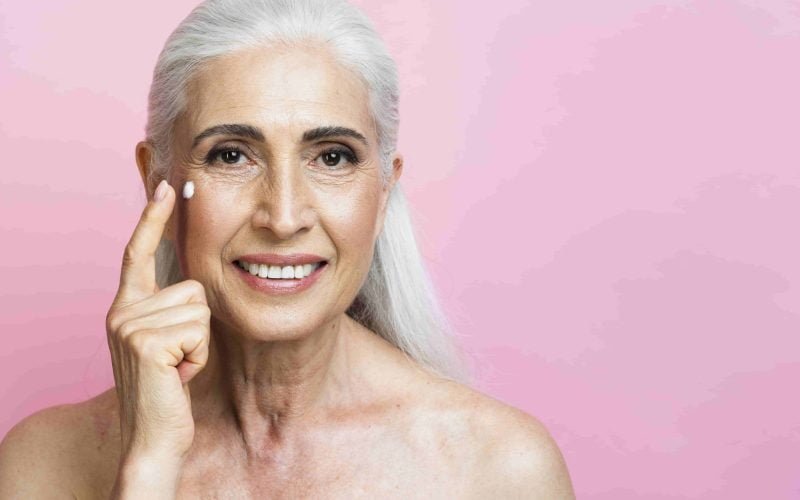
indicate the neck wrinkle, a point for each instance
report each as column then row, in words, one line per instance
column 267, row 389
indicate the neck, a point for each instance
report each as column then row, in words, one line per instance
column 265, row 389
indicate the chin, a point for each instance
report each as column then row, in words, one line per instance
column 274, row 327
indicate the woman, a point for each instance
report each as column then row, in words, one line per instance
column 273, row 334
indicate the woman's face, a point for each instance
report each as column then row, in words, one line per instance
column 277, row 187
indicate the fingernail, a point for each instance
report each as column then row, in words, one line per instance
column 161, row 190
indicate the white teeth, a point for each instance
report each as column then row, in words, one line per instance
column 278, row 272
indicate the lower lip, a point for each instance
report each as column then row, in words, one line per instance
column 280, row 286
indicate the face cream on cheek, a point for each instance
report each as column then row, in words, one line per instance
column 188, row 190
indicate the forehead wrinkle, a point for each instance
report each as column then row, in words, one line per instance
column 281, row 109
column 336, row 81
column 224, row 83
column 267, row 122
column 286, row 107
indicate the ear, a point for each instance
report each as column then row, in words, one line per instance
column 397, row 171
column 144, row 161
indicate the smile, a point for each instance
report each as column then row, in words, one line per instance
column 280, row 280
column 278, row 272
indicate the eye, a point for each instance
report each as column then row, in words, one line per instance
column 336, row 158
column 229, row 155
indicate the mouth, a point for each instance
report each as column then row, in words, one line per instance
column 276, row 272
column 280, row 274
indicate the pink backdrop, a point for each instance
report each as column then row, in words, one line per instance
column 607, row 194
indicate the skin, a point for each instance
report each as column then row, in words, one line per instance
column 279, row 354
column 289, row 397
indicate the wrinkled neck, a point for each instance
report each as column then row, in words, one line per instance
column 268, row 389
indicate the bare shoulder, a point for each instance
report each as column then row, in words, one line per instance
column 497, row 450
column 51, row 453
column 521, row 457
column 514, row 454
column 34, row 455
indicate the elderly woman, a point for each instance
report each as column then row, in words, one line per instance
column 274, row 334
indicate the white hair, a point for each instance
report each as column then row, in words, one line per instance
column 397, row 300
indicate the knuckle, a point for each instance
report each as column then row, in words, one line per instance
column 196, row 329
column 200, row 336
column 195, row 287
column 140, row 343
column 115, row 320
column 200, row 325
column 126, row 329
column 130, row 255
column 112, row 321
column 203, row 311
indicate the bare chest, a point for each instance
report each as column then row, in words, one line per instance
column 389, row 467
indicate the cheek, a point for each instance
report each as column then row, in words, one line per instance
column 203, row 224
column 352, row 218
column 207, row 222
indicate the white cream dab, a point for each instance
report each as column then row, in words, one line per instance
column 188, row 189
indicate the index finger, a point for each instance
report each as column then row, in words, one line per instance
column 138, row 276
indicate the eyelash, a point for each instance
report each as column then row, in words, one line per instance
column 348, row 154
column 211, row 157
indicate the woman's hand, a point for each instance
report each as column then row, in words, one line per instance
column 159, row 342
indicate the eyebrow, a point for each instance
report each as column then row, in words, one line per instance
column 332, row 131
column 251, row 132
column 236, row 129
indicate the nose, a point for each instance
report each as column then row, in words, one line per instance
column 284, row 205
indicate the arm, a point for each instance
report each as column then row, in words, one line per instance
column 146, row 477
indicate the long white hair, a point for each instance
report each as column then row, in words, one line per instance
column 397, row 300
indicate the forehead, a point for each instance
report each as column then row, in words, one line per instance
column 278, row 87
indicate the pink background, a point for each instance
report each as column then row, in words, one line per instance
column 607, row 194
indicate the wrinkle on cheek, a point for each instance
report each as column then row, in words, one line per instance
column 225, row 199
column 357, row 179
column 205, row 222
column 230, row 176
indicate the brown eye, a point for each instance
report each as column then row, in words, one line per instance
column 336, row 159
column 226, row 155
column 331, row 158
column 230, row 156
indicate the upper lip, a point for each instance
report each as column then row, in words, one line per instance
column 275, row 259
